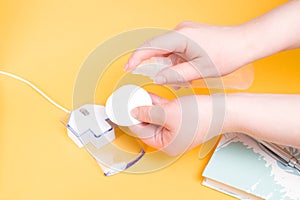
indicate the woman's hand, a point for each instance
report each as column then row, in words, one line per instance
column 178, row 125
column 200, row 50
column 197, row 51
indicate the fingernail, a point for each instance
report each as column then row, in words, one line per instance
column 134, row 112
column 126, row 67
column 160, row 80
column 131, row 62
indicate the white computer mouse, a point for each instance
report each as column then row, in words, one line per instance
column 120, row 103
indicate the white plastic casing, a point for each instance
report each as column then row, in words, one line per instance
column 88, row 123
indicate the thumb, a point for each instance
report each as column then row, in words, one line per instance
column 150, row 114
column 177, row 74
column 186, row 72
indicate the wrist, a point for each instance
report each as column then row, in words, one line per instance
column 234, row 110
column 250, row 43
column 241, row 109
column 213, row 115
column 241, row 50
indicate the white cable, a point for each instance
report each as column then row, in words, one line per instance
column 36, row 89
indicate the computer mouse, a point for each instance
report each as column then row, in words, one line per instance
column 120, row 103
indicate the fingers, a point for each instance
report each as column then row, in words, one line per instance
column 150, row 114
column 183, row 73
column 162, row 45
column 153, row 135
column 144, row 52
column 176, row 59
column 178, row 74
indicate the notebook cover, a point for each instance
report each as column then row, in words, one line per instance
column 238, row 162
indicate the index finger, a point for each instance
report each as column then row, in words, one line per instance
column 170, row 42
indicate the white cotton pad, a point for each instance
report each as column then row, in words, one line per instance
column 152, row 66
column 123, row 100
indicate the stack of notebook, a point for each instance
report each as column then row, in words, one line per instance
column 241, row 168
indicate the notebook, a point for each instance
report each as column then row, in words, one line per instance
column 240, row 168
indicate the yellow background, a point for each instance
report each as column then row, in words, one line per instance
column 46, row 42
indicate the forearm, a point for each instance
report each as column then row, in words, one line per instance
column 270, row 117
column 275, row 31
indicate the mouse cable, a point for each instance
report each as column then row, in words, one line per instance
column 36, row 89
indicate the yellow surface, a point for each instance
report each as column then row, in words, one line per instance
column 46, row 42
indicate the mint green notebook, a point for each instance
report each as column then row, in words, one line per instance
column 240, row 168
